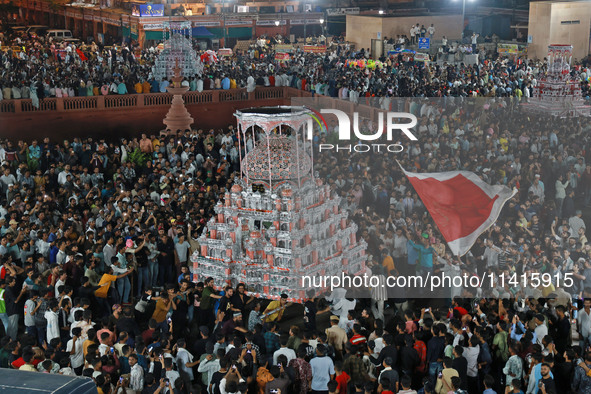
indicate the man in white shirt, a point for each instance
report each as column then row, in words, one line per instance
column 474, row 41
column 61, row 281
column 53, row 329
column 109, row 251
column 42, row 245
column 250, row 84
column 210, row 365
column 136, row 376
column 491, row 254
column 184, row 360
column 61, row 256
column 62, row 176
column 222, row 387
column 431, row 30
column 584, row 322
column 471, row 355
column 412, row 35
column 284, row 350
column 170, row 374
column 75, row 347
column 576, row 223
column 541, row 329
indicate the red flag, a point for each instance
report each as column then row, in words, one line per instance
column 462, row 205
column 81, row 54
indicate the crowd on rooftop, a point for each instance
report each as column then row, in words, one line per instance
column 54, row 69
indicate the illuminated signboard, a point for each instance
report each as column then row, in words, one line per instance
column 145, row 10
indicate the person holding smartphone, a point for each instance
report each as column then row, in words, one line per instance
column 444, row 383
column 280, row 381
column 231, row 380
column 546, row 385
column 122, row 383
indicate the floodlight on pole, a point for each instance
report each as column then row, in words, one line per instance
column 381, row 12
column 463, row 14
column 277, row 23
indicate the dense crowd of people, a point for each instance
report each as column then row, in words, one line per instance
column 53, row 69
column 96, row 238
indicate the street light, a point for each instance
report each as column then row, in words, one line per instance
column 224, row 20
column 305, row 23
column 381, row 12
column 463, row 15
column 277, row 23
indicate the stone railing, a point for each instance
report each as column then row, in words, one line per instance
column 161, row 101
column 128, row 101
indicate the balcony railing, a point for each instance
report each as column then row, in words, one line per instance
column 142, row 100
column 73, row 103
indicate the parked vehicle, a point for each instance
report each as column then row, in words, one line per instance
column 59, row 34
column 17, row 382
column 18, row 29
column 37, row 30
column 75, row 41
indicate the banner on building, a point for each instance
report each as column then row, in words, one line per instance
column 307, row 21
column 153, row 26
column 270, row 22
column 206, row 23
column 285, row 48
column 239, row 23
column 315, row 48
column 147, row 10
column 111, row 21
column 342, row 11
column 507, row 49
column 421, row 57
column 281, row 57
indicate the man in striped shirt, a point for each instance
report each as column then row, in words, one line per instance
column 357, row 338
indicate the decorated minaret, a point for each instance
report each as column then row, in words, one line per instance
column 177, row 118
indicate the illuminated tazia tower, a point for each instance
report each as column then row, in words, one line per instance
column 557, row 93
column 279, row 222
